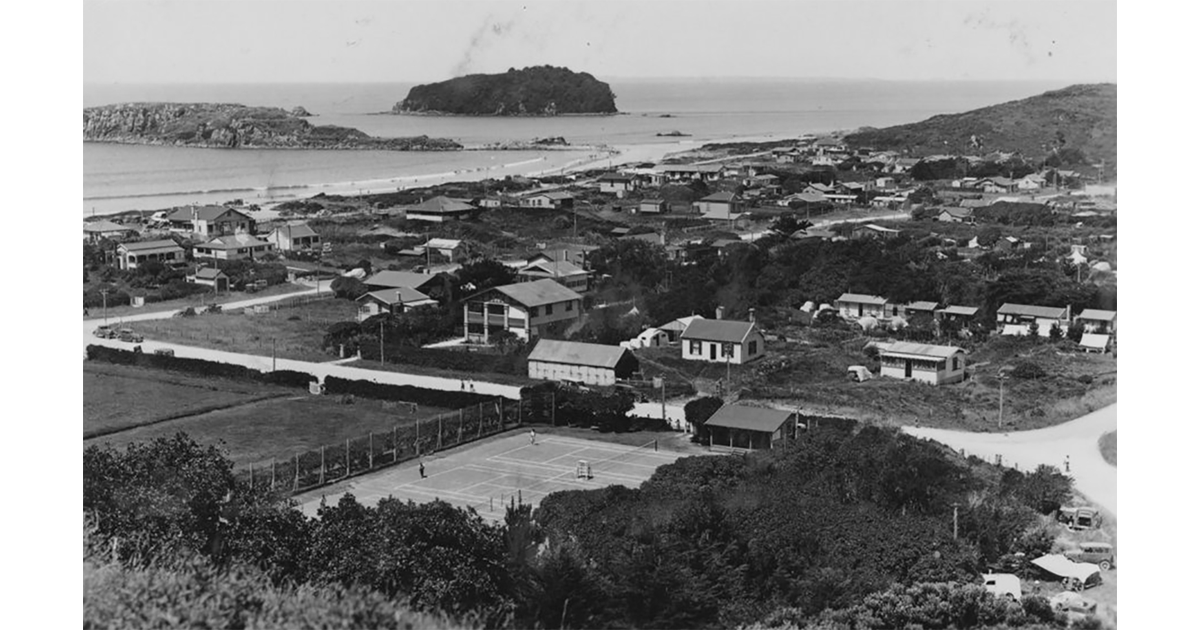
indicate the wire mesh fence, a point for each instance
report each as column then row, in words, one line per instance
column 365, row 453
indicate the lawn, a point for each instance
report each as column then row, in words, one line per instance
column 491, row 377
column 296, row 332
column 281, row 427
column 1108, row 447
column 195, row 301
column 117, row 397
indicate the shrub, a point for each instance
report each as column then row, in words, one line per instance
column 406, row 393
column 1028, row 370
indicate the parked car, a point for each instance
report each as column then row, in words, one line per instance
column 1079, row 517
column 165, row 352
column 1072, row 602
column 1003, row 585
column 127, row 335
column 1097, row 553
column 105, row 332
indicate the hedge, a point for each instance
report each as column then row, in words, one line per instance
column 202, row 367
column 476, row 362
column 406, row 393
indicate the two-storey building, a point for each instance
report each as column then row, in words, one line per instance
column 524, row 309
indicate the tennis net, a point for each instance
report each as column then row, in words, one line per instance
column 620, row 461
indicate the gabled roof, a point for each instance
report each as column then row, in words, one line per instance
column 537, row 293
column 553, row 195
column 104, row 225
column 859, row 298
column 680, row 324
column 208, row 273
column 556, row 268
column 921, row 306
column 398, row 279
column 878, row 228
column 441, row 205
column 908, row 348
column 143, row 245
column 724, row 197
column 298, row 230
column 961, row 213
column 616, row 177
column 1051, row 312
column 443, row 243
column 402, row 295
column 234, row 241
column 740, row 416
column 575, row 353
column 722, row 330
column 204, row 213
column 966, row 311
column 1097, row 314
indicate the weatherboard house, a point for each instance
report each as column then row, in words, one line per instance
column 936, row 365
column 738, row 425
column 1015, row 319
column 524, row 309
column 722, row 341
column 587, row 363
column 856, row 305
column 1099, row 321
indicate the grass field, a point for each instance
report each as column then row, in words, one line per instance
column 195, row 301
column 1108, row 447
column 487, row 474
column 297, row 332
column 117, row 397
column 505, row 379
column 280, row 427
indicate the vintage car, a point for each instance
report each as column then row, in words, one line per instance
column 1097, row 553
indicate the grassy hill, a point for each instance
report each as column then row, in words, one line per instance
column 533, row 91
column 1080, row 117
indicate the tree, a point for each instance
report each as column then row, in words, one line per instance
column 697, row 412
column 1075, row 331
column 348, row 288
column 479, row 275
column 1056, row 332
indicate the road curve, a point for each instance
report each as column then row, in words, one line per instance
column 1076, row 441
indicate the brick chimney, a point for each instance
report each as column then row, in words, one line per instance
column 720, row 314
column 751, row 316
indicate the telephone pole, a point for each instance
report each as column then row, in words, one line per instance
column 104, row 295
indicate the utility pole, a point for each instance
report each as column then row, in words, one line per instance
column 104, row 295
column 381, row 340
column 1000, row 424
column 956, row 521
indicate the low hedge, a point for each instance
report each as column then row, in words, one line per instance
column 465, row 361
column 406, row 393
column 203, row 367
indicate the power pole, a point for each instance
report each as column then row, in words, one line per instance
column 381, row 340
column 1000, row 423
column 104, row 295
column 956, row 521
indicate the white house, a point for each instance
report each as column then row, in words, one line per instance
column 856, row 305
column 922, row 362
column 131, row 255
column 1095, row 320
column 1014, row 319
column 293, row 237
column 722, row 341
column 233, row 247
column 649, row 338
column 395, row 301
column 588, row 363
column 523, row 309
column 617, row 183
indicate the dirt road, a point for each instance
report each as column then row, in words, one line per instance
column 1076, row 441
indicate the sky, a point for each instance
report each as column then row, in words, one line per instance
column 222, row 41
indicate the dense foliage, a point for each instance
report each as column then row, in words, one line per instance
column 540, row 90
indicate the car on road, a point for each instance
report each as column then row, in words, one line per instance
column 1097, row 553
column 127, row 335
column 105, row 332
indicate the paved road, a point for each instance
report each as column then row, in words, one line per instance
column 266, row 363
column 1076, row 440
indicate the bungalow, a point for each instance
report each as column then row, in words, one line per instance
column 856, row 305
column 997, row 185
column 652, row 206
column 1032, row 181
column 1015, row 319
column 448, row 247
column 588, row 363
column 675, row 328
column 841, row 198
column 293, row 237
column 440, row 209
column 132, row 255
column 94, row 231
column 957, row 215
column 682, row 172
column 524, row 309
column 383, row 280
column 723, row 341
column 563, row 272
column 922, row 362
column 920, row 311
column 557, row 200
column 1095, row 320
column 649, row 338
column 233, row 247
column 617, row 183
column 738, row 425
column 210, row 276
column 719, row 206
column 394, row 301
column 962, row 315
column 871, row 230
column 818, row 188
column 1008, row 243
column 209, row 221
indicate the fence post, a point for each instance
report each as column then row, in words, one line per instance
column 370, row 450
column 480, row 413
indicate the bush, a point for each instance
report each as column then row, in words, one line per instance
column 406, row 393
column 202, row 367
column 1028, row 370
column 474, row 362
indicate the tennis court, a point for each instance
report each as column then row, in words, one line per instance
column 487, row 475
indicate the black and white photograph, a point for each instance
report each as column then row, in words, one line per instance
column 767, row 314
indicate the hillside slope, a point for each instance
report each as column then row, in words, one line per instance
column 1082, row 117
column 533, row 91
column 231, row 126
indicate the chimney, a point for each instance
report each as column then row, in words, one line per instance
column 751, row 316
column 720, row 312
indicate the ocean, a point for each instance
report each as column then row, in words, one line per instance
column 125, row 177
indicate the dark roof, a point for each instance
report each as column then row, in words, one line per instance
column 653, row 201
column 538, row 292
column 616, row 177
column 134, row 247
column 650, row 237
column 921, row 350
column 556, row 268
column 723, row 330
column 206, row 213
column 209, row 273
column 1052, row 312
column 398, row 279
column 739, row 416
column 576, row 353
column 296, row 231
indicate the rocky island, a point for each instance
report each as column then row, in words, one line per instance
column 533, row 91
column 232, row 126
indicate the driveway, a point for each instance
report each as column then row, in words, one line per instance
column 1075, row 441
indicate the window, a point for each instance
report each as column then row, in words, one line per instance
column 549, row 309
column 726, row 350
column 955, row 363
column 571, row 305
column 753, row 348
column 694, row 347
column 533, row 312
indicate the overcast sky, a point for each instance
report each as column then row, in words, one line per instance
column 197, row 41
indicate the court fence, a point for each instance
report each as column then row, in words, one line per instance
column 333, row 463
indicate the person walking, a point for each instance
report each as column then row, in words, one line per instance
column 421, row 468
column 532, row 436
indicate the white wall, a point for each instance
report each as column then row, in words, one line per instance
column 589, row 375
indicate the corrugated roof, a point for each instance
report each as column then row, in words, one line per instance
column 402, row 295
column 1097, row 314
column 299, row 230
column 209, row 273
column 206, row 213
column 922, row 306
column 921, row 349
column 575, row 353
column 739, row 416
column 441, row 205
column 558, row 268
column 1094, row 340
column 680, row 324
column 104, row 225
column 967, row 311
column 725, row 197
column 538, row 292
column 135, row 247
column 1052, row 312
column 859, row 298
column 398, row 279
column 722, row 330
column 234, row 241
column 443, row 243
